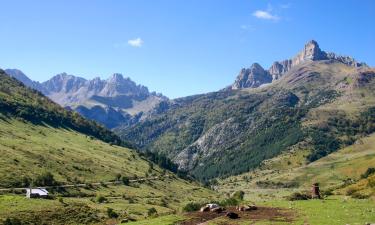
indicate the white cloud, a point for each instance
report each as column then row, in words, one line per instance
column 260, row 14
column 137, row 42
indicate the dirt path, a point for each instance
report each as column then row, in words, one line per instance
column 85, row 184
column 262, row 213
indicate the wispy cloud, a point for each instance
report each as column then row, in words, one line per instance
column 266, row 15
column 137, row 42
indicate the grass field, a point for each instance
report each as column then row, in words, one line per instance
column 28, row 150
column 335, row 210
column 330, row 171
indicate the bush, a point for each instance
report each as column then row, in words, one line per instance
column 101, row 199
column 298, row 196
column 45, row 179
column 61, row 200
column 192, row 207
column 151, row 212
column 327, row 192
column 239, row 195
column 111, row 213
column 368, row 172
column 229, row 202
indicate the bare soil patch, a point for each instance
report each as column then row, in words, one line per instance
column 262, row 213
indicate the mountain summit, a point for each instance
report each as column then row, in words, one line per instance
column 114, row 101
column 250, row 78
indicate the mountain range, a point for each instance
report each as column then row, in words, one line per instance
column 298, row 103
column 114, row 101
column 316, row 102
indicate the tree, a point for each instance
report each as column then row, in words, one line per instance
column 45, row 179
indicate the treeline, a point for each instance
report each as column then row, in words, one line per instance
column 19, row 101
column 326, row 139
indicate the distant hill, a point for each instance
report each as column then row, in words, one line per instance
column 111, row 102
column 316, row 101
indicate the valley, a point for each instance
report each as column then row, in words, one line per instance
column 110, row 152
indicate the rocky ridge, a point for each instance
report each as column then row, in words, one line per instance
column 114, row 101
column 256, row 76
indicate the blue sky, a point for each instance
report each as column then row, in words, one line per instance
column 177, row 47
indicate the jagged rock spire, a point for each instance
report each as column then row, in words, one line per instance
column 255, row 75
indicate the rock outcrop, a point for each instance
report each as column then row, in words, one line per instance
column 255, row 76
column 252, row 77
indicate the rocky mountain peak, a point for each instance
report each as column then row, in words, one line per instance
column 311, row 51
column 255, row 75
column 115, row 78
column 252, row 77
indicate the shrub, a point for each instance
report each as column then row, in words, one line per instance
column 368, row 172
column 229, row 202
column 111, row 213
column 151, row 212
column 327, row 192
column 298, row 196
column 239, row 195
column 191, row 207
column 101, row 199
column 45, row 179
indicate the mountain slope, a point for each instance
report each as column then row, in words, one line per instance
column 38, row 137
column 119, row 100
column 234, row 130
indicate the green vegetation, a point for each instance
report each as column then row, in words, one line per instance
column 163, row 220
column 16, row 100
column 51, row 146
column 47, row 155
column 324, row 106
column 192, row 206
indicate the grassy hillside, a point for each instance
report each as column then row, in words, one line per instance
column 323, row 105
column 42, row 144
column 335, row 171
column 16, row 100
